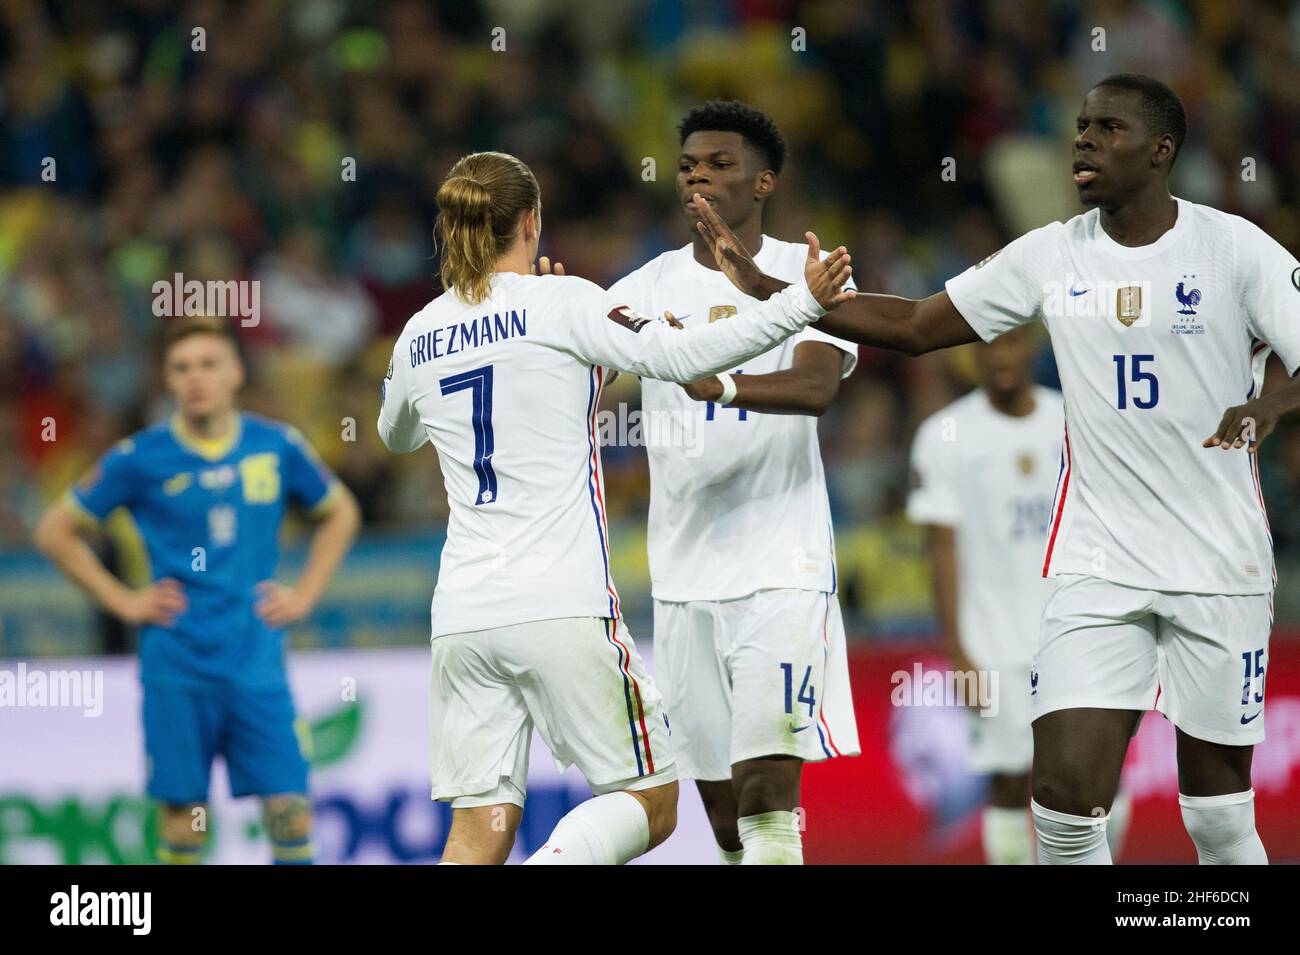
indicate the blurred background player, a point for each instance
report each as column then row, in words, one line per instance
column 748, row 633
column 503, row 374
column 984, row 472
column 208, row 490
column 1162, row 313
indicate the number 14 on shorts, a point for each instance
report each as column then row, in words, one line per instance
column 807, row 693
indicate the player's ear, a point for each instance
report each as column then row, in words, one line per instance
column 1163, row 151
column 764, row 184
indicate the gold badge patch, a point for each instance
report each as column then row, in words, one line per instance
column 717, row 312
column 1025, row 462
column 1128, row 304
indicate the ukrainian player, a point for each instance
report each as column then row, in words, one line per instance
column 1161, row 313
column 748, row 634
column 208, row 490
column 502, row 374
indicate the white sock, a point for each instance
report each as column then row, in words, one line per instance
column 1064, row 839
column 730, row 856
column 1008, row 836
column 1223, row 828
column 771, row 838
column 607, row 830
column 1121, row 810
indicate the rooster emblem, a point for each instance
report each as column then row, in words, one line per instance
column 1189, row 299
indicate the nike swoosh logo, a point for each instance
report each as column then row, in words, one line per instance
column 800, row 729
column 1080, row 292
column 1245, row 719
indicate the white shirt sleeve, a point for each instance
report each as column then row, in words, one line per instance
column 933, row 496
column 606, row 332
column 400, row 426
column 848, row 350
column 1268, row 278
column 1006, row 289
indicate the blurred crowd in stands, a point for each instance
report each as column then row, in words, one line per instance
column 300, row 143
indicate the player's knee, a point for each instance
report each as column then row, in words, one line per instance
column 1069, row 790
column 182, row 831
column 1223, row 828
column 287, row 818
column 719, row 800
column 766, row 785
column 661, row 809
column 482, row 835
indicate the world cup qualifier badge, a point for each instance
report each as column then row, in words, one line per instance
column 719, row 312
column 1128, row 304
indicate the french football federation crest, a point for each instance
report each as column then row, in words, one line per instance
column 1187, row 298
column 1025, row 463
column 718, row 312
column 1128, row 304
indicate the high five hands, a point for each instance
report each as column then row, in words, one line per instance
column 825, row 278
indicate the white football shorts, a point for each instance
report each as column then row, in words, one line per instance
column 580, row 681
column 1004, row 741
column 762, row 675
column 1200, row 659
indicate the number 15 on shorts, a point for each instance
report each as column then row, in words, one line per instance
column 807, row 693
column 1252, row 678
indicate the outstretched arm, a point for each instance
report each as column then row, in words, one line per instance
column 912, row 326
column 612, row 335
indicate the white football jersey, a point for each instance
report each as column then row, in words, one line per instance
column 991, row 477
column 1153, row 344
column 737, row 498
column 507, row 391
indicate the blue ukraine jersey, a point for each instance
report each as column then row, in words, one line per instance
column 210, row 518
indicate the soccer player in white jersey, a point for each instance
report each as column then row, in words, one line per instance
column 502, row 374
column 1161, row 314
column 983, row 476
column 748, row 636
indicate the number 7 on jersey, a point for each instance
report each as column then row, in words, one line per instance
column 479, row 384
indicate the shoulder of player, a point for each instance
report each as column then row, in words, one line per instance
column 1049, row 396
column 786, row 256
column 143, row 443
column 259, row 429
column 1241, row 228
column 1055, row 230
column 424, row 317
column 650, row 274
